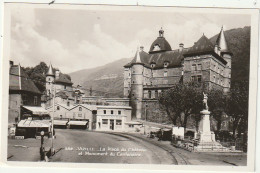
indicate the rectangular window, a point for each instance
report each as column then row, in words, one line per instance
column 35, row 100
column 165, row 74
column 112, row 112
column 105, row 112
column 199, row 78
column 119, row 112
column 104, row 121
column 193, row 78
column 118, row 122
column 193, row 67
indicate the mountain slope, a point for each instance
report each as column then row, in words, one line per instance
column 109, row 78
column 238, row 41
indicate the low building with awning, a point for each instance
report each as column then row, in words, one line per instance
column 73, row 116
column 32, row 128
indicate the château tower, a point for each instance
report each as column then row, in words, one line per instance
column 227, row 56
column 50, row 76
column 136, row 94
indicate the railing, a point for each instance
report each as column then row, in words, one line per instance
column 191, row 144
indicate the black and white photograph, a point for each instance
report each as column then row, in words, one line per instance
column 132, row 85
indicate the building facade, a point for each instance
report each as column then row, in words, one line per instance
column 148, row 74
column 73, row 116
column 113, row 118
column 22, row 92
column 57, row 80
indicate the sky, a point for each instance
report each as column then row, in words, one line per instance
column 74, row 39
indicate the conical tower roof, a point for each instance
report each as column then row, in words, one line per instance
column 221, row 41
column 50, row 71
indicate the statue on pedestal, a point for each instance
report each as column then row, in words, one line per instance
column 205, row 102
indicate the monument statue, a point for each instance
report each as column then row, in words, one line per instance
column 205, row 101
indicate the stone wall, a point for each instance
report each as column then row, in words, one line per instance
column 14, row 108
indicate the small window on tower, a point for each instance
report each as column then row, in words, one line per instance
column 199, row 66
column 165, row 74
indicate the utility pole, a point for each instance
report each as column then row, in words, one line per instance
column 52, row 119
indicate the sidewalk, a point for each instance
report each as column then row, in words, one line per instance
column 186, row 157
column 25, row 149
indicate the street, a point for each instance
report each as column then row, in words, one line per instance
column 81, row 146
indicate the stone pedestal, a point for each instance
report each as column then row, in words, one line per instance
column 206, row 138
column 204, row 134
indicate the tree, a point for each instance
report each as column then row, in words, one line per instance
column 181, row 101
column 238, row 106
column 217, row 102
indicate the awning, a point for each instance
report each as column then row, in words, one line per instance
column 79, row 123
column 60, row 122
column 37, row 110
column 34, row 123
column 133, row 123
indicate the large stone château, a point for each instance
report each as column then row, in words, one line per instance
column 148, row 74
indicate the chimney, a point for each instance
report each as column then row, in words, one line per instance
column 141, row 48
column 11, row 63
column 57, row 74
column 219, row 51
column 181, row 45
column 216, row 49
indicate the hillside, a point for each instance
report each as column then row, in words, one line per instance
column 109, row 78
column 239, row 44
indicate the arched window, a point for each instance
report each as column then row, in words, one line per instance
column 80, row 108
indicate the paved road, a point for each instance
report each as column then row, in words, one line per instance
column 96, row 147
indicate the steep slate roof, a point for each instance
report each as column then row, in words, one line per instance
column 203, row 46
column 63, row 79
column 221, row 42
column 50, row 71
column 65, row 94
column 20, row 81
column 174, row 58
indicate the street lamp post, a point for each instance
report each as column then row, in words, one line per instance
column 42, row 149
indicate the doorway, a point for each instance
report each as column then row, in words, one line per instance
column 112, row 125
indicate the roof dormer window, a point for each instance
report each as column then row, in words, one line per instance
column 153, row 64
column 156, row 47
column 165, row 64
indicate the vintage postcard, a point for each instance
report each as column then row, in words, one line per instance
column 137, row 87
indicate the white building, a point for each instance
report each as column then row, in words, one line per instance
column 113, row 118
